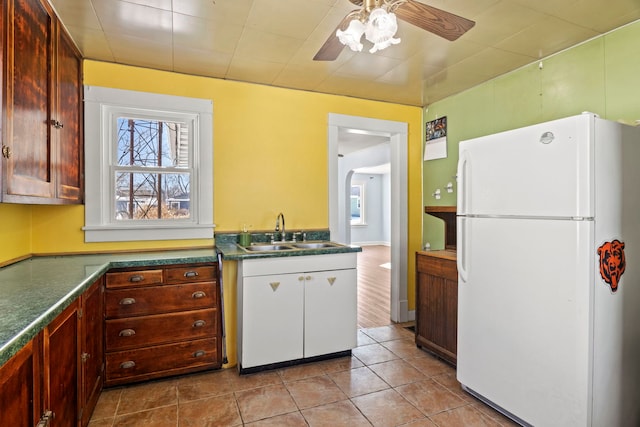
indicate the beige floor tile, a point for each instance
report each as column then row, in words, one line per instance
column 148, row 396
column 404, row 348
column 202, row 385
column 358, row 381
column 219, row 411
column 315, row 391
column 385, row 333
column 492, row 413
column 465, row 416
column 430, row 366
column 307, row 370
column 294, row 419
column 107, row 405
column 364, row 339
column 450, row 381
column 425, row 422
column 339, row 414
column 430, row 397
column 341, row 364
column 265, row 402
column 397, row 372
column 373, row 353
column 159, row 417
column 387, row 408
column 102, row 422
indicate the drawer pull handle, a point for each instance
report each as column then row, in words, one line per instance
column 128, row 364
column 136, row 278
column 190, row 274
column 199, row 323
column 199, row 353
column 198, row 294
column 127, row 301
column 127, row 333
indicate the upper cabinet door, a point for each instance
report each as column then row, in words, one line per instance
column 28, row 156
column 68, row 120
column 42, row 141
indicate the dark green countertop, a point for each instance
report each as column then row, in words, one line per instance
column 34, row 291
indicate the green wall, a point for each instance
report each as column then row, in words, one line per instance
column 600, row 76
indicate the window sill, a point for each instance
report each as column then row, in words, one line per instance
column 154, row 232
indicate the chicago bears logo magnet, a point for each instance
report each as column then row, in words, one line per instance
column 612, row 263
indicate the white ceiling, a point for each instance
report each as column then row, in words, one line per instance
column 273, row 42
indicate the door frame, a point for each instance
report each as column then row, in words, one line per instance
column 398, row 135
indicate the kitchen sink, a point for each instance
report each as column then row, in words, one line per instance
column 267, row 248
column 315, row 245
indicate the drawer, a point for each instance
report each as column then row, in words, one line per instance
column 121, row 303
column 187, row 274
column 159, row 361
column 435, row 266
column 128, row 279
column 157, row 329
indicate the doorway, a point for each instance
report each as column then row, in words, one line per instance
column 397, row 133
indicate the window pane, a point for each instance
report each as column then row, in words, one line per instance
column 152, row 143
column 152, row 196
column 356, row 204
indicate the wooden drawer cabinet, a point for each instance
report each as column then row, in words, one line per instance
column 160, row 299
column 162, row 322
column 132, row 332
column 437, row 303
column 162, row 360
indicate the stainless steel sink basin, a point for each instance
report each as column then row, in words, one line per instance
column 265, row 248
column 315, row 245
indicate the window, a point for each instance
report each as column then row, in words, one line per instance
column 148, row 162
column 357, row 204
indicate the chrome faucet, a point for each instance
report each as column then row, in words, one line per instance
column 278, row 229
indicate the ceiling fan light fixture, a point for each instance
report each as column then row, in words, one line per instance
column 352, row 35
column 381, row 28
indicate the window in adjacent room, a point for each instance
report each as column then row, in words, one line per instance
column 149, row 173
column 357, row 204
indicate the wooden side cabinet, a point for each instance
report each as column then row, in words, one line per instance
column 162, row 321
column 437, row 303
column 56, row 378
column 42, row 157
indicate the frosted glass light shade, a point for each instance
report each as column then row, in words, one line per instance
column 352, row 35
column 380, row 29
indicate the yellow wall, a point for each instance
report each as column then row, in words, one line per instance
column 277, row 133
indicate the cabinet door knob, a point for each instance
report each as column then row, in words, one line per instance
column 45, row 419
column 301, row 278
column 127, row 333
column 191, row 274
column 274, row 285
column 136, row 278
column 199, row 323
column 307, row 278
column 199, row 353
column 6, row 151
column 198, row 294
column 56, row 124
column 331, row 280
column 127, row 301
column 128, row 364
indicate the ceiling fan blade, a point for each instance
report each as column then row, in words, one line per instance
column 332, row 47
column 432, row 19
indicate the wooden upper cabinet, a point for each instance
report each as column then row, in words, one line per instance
column 42, row 105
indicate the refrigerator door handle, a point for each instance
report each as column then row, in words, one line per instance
column 463, row 184
column 461, row 259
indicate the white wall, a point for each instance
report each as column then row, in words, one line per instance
column 374, row 156
column 377, row 201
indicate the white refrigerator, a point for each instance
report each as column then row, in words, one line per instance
column 548, row 253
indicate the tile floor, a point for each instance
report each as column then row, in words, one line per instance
column 387, row 381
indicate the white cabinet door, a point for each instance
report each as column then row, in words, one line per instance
column 330, row 312
column 272, row 326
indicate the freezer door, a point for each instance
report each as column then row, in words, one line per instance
column 524, row 298
column 541, row 170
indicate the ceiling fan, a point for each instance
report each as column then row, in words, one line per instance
column 377, row 20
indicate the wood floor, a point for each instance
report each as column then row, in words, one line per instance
column 374, row 287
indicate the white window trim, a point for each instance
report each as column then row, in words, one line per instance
column 362, row 222
column 99, row 226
